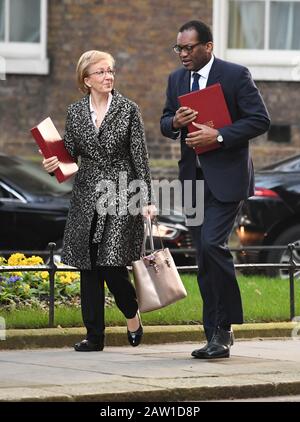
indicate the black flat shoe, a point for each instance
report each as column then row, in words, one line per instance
column 88, row 346
column 135, row 337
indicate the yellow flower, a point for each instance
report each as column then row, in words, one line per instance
column 67, row 277
column 44, row 275
column 34, row 260
column 20, row 259
column 64, row 278
column 16, row 259
column 75, row 275
column 26, row 288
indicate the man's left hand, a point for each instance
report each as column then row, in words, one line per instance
column 205, row 135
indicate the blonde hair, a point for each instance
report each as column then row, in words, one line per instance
column 86, row 60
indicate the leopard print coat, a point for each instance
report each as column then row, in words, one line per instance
column 119, row 146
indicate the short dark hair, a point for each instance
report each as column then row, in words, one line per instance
column 204, row 31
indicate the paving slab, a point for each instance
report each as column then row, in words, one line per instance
column 165, row 372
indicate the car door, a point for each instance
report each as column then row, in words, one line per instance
column 9, row 202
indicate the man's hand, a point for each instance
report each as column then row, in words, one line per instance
column 206, row 135
column 184, row 116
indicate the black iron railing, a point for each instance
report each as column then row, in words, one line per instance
column 291, row 267
column 52, row 268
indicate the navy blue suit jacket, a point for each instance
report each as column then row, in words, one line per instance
column 227, row 170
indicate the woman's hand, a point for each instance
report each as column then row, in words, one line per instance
column 50, row 164
column 149, row 211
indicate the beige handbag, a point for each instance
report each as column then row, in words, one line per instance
column 156, row 278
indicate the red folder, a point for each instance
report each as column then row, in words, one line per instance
column 51, row 143
column 212, row 110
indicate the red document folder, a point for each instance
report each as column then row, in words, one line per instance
column 212, row 110
column 50, row 143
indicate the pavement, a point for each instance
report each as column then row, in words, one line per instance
column 36, row 365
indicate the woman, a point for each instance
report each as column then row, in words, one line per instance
column 106, row 131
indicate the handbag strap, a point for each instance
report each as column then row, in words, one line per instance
column 148, row 228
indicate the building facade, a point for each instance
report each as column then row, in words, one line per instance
column 41, row 41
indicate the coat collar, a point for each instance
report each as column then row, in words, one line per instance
column 84, row 110
column 116, row 104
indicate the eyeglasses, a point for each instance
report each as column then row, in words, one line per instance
column 102, row 73
column 187, row 48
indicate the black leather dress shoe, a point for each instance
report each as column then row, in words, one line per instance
column 199, row 352
column 218, row 347
column 88, row 346
column 196, row 353
column 135, row 337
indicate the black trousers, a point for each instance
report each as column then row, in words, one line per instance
column 92, row 294
column 217, row 282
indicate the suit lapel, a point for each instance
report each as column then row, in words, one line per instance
column 184, row 85
column 215, row 73
column 87, row 123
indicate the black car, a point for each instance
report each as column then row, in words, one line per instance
column 34, row 207
column 272, row 215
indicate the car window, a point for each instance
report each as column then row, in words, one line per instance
column 4, row 194
column 293, row 166
column 289, row 165
column 31, row 177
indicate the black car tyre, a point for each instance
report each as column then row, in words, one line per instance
column 291, row 235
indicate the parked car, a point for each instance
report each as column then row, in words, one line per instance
column 34, row 207
column 272, row 215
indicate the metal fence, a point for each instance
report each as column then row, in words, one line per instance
column 52, row 268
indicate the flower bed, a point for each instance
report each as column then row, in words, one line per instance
column 32, row 288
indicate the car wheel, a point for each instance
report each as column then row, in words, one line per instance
column 292, row 235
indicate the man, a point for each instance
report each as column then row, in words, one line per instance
column 227, row 173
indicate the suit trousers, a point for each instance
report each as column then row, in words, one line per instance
column 93, row 297
column 217, row 282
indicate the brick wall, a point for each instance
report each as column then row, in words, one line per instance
column 140, row 35
column 283, row 102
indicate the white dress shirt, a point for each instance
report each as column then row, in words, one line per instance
column 204, row 74
column 94, row 113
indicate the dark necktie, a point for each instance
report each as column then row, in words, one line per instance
column 195, row 84
column 195, row 87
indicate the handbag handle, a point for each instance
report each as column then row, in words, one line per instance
column 148, row 227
